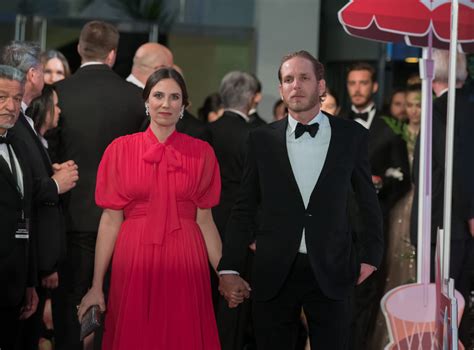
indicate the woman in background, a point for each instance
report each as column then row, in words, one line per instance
column 211, row 109
column 44, row 111
column 331, row 103
column 55, row 66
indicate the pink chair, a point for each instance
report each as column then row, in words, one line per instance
column 411, row 323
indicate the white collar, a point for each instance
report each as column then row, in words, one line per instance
column 91, row 63
column 133, row 79
column 292, row 122
column 365, row 110
column 245, row 117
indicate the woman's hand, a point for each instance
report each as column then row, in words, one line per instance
column 95, row 296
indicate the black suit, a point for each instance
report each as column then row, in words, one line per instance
column 331, row 263
column 46, row 219
column 462, row 243
column 17, row 256
column 386, row 150
column 229, row 134
column 97, row 106
column 255, row 120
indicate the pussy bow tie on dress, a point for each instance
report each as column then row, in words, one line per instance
column 162, row 217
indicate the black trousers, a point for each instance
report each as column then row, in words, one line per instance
column 277, row 321
column 9, row 328
column 235, row 325
column 75, row 278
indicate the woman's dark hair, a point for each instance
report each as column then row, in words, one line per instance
column 212, row 103
column 40, row 106
column 166, row 73
column 330, row 91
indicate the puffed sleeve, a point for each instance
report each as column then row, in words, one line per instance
column 109, row 191
column 209, row 189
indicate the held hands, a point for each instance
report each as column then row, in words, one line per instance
column 30, row 304
column 234, row 289
column 66, row 175
column 95, row 296
column 365, row 271
column 50, row 281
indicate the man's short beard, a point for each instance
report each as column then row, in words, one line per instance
column 6, row 126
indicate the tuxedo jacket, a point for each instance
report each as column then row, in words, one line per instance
column 17, row 256
column 388, row 150
column 256, row 120
column 269, row 183
column 228, row 134
column 463, row 168
column 46, row 218
column 97, row 106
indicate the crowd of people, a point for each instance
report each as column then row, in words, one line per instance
column 217, row 231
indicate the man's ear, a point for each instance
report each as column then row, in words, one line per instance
column 322, row 87
column 257, row 98
column 110, row 60
column 375, row 87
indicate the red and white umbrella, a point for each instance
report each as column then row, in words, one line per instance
column 442, row 24
column 411, row 21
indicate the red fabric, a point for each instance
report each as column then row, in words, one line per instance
column 409, row 20
column 160, row 296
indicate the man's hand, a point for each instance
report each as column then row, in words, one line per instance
column 253, row 246
column 30, row 304
column 66, row 175
column 234, row 289
column 50, row 281
column 365, row 271
column 470, row 222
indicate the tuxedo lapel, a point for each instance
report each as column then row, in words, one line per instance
column 335, row 144
column 42, row 149
column 282, row 154
column 5, row 170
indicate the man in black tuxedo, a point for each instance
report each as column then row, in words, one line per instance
column 97, row 106
column 46, row 218
column 388, row 158
column 228, row 133
column 462, row 210
column 18, row 298
column 300, row 171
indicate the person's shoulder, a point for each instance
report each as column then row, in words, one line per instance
column 351, row 125
column 126, row 141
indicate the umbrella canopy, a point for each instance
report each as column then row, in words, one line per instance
column 409, row 20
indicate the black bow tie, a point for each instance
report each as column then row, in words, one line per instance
column 302, row 128
column 354, row 115
column 5, row 140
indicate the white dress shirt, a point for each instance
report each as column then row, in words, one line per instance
column 371, row 112
column 132, row 79
column 307, row 156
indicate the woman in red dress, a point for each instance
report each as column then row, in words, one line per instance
column 157, row 188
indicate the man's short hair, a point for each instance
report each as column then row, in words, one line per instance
column 12, row 73
column 363, row 66
column 317, row 66
column 96, row 40
column 22, row 55
column 237, row 89
column 441, row 66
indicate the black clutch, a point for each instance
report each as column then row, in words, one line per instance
column 91, row 321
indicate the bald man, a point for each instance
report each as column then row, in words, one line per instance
column 148, row 58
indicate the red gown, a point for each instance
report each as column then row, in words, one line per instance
column 160, row 292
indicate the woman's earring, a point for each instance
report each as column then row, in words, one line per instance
column 147, row 110
column 181, row 114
